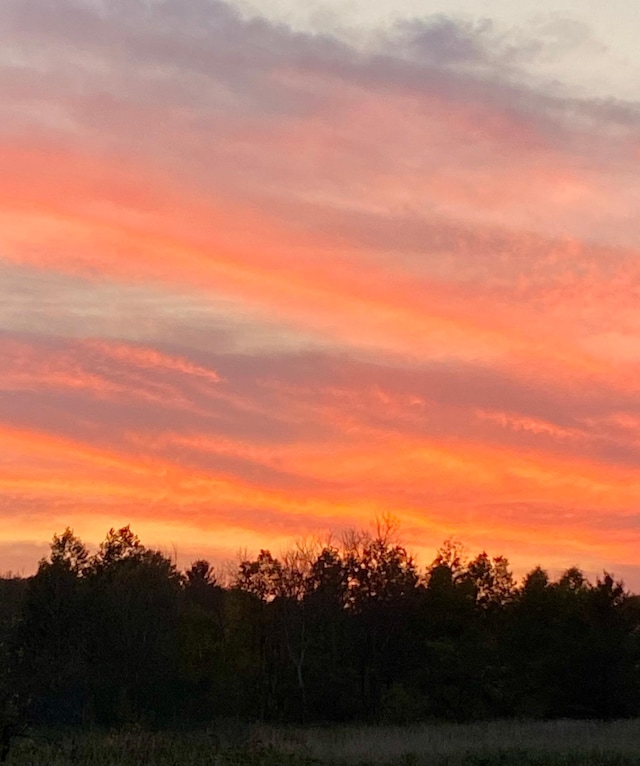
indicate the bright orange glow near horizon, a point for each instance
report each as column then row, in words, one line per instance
column 257, row 285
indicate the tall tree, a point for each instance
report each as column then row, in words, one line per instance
column 135, row 644
column 54, row 637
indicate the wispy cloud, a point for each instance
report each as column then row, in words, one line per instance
column 256, row 282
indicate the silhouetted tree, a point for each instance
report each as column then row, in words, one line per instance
column 203, row 643
column 53, row 636
column 134, row 613
column 324, row 632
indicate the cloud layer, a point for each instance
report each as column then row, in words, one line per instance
column 256, row 283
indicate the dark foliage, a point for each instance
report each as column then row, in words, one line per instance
column 333, row 633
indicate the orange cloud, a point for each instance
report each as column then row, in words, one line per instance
column 226, row 248
column 449, row 257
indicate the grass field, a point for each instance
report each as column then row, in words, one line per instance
column 560, row 743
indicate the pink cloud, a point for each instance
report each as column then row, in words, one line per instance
column 420, row 274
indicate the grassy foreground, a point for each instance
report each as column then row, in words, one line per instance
column 559, row 743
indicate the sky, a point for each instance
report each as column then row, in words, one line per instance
column 270, row 270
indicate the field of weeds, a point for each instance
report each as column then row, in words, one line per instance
column 559, row 743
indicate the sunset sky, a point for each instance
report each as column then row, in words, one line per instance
column 264, row 276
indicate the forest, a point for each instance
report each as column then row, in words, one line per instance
column 352, row 632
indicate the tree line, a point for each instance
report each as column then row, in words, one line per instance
column 336, row 632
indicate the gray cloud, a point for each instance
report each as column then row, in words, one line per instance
column 212, row 99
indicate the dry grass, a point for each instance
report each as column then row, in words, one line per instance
column 453, row 743
column 560, row 743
